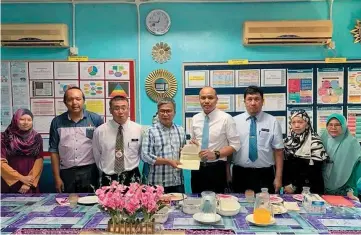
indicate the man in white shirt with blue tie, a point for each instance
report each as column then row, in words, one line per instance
column 216, row 132
column 117, row 145
column 259, row 162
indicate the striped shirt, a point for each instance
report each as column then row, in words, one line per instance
column 160, row 141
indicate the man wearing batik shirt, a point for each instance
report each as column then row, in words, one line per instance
column 161, row 147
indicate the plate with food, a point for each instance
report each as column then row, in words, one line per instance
column 174, row 196
column 298, row 197
column 275, row 199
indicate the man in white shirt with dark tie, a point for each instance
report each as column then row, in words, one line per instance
column 259, row 162
column 117, row 145
column 215, row 131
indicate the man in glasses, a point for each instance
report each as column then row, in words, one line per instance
column 161, row 147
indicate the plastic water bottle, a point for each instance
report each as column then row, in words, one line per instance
column 305, row 203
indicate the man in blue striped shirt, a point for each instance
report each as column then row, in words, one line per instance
column 161, row 147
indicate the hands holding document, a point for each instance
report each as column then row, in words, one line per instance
column 189, row 157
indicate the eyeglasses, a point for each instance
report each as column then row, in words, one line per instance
column 334, row 125
column 165, row 111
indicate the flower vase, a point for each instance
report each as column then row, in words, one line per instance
column 131, row 228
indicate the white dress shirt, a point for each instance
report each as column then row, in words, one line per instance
column 269, row 137
column 104, row 145
column 222, row 130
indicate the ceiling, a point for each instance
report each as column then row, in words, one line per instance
column 146, row 1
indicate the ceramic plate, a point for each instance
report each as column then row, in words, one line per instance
column 275, row 199
column 88, row 200
column 298, row 197
column 175, row 196
column 277, row 210
column 249, row 218
column 206, row 218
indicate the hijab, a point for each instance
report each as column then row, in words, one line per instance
column 344, row 151
column 308, row 144
column 17, row 142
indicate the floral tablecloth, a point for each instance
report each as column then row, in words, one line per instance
column 40, row 213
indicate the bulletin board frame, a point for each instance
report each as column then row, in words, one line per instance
column 41, row 84
column 311, row 71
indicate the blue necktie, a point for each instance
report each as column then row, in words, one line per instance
column 253, row 140
column 205, row 135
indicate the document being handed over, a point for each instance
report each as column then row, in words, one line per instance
column 189, row 157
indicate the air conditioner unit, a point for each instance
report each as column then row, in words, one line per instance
column 316, row 32
column 34, row 35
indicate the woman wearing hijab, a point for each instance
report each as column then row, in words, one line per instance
column 21, row 160
column 304, row 156
column 340, row 174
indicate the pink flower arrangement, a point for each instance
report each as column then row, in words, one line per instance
column 126, row 202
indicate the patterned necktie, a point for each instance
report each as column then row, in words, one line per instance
column 205, row 135
column 119, row 152
column 253, row 152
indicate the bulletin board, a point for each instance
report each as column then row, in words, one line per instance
column 318, row 87
column 40, row 87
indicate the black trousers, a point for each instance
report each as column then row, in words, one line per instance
column 174, row 189
column 253, row 178
column 80, row 179
column 300, row 173
column 125, row 177
column 211, row 176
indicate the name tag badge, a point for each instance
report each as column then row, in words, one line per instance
column 135, row 140
column 266, row 130
column 89, row 132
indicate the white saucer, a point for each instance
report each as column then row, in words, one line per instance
column 206, row 218
column 249, row 218
column 88, row 200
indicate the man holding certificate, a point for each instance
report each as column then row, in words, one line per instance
column 215, row 132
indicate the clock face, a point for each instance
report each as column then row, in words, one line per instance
column 158, row 22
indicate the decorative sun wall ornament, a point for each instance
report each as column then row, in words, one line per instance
column 161, row 52
column 357, row 32
column 160, row 84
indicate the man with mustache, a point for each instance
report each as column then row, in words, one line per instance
column 70, row 145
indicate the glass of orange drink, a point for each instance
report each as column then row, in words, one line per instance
column 262, row 212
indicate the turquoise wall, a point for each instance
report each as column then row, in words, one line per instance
column 200, row 32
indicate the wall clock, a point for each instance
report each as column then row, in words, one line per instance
column 158, row 22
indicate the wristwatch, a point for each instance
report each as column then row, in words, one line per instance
column 218, row 154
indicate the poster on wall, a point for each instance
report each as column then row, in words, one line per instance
column 117, row 70
column 115, row 88
column 43, row 106
column 290, row 110
column 222, row 78
column 92, row 89
column 273, row 77
column 66, row 70
column 41, row 88
column 354, row 86
column 191, row 103
column 274, row 102
column 197, row 78
column 60, row 107
column 282, row 121
column 248, row 77
column 91, row 70
column 189, row 124
column 330, row 85
column 20, row 85
column 299, row 86
column 354, row 121
column 96, row 106
column 62, row 85
column 240, row 106
column 42, row 123
column 6, row 96
column 225, row 103
column 323, row 113
column 41, row 70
